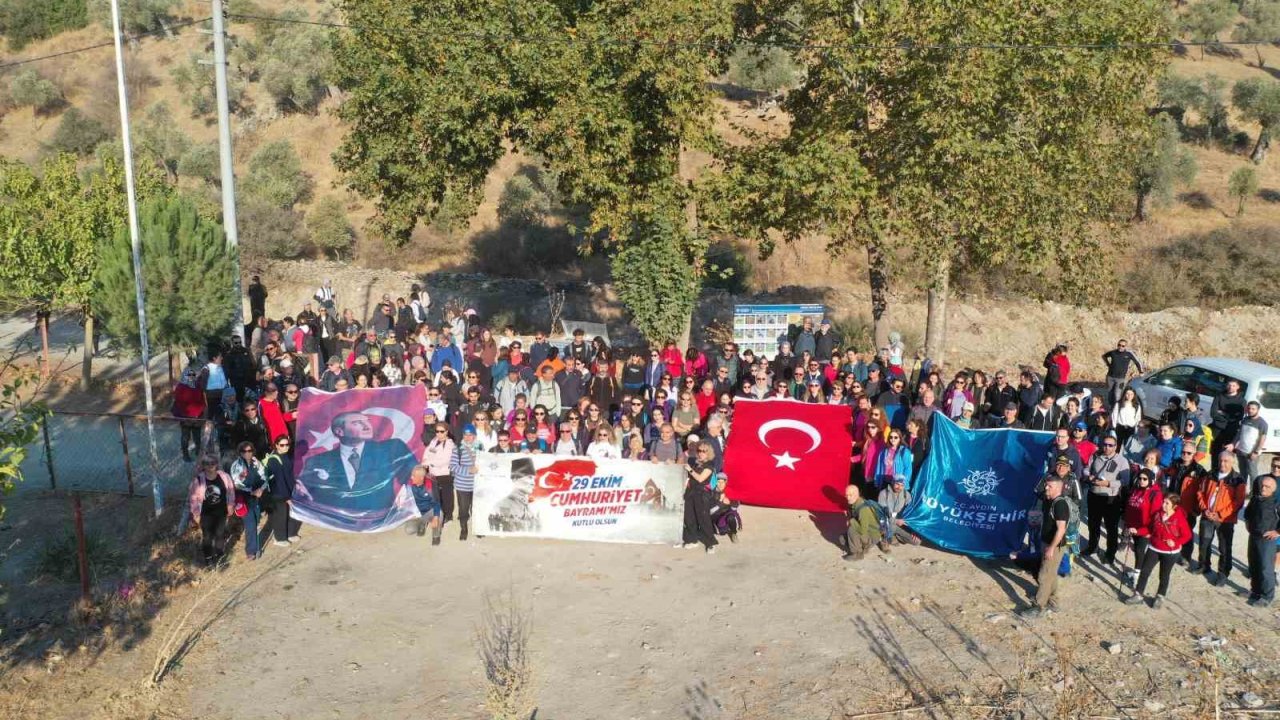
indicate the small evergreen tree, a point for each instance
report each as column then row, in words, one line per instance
column 188, row 273
column 329, row 228
column 78, row 133
column 522, row 202
column 275, row 176
column 1242, row 185
column 29, row 89
column 1258, row 99
column 1164, row 165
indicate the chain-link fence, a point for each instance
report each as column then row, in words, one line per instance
column 106, row 452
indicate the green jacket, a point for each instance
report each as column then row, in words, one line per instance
column 863, row 521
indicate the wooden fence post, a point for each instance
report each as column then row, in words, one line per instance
column 82, row 550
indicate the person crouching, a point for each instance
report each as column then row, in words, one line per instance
column 428, row 506
column 864, row 526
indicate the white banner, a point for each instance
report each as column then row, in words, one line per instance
column 578, row 498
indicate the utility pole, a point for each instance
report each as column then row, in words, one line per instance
column 224, row 153
column 136, row 244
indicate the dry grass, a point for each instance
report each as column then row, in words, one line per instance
column 502, row 642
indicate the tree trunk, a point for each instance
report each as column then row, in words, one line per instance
column 878, row 277
column 42, row 319
column 86, row 355
column 1261, row 147
column 687, row 176
column 1140, row 212
column 935, row 334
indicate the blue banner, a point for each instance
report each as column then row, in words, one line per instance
column 976, row 487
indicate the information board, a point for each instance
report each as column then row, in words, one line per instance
column 759, row 328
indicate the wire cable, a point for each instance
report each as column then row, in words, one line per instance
column 109, row 43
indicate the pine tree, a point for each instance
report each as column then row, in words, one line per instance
column 188, row 272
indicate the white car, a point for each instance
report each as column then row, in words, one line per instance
column 1207, row 377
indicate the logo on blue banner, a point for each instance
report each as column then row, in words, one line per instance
column 976, row 487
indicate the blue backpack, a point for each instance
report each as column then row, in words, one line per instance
column 882, row 516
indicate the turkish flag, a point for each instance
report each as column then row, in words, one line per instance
column 789, row 454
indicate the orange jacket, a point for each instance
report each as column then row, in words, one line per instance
column 1223, row 496
column 1190, row 493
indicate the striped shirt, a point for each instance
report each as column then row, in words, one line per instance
column 463, row 467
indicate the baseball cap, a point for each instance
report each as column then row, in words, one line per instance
column 1011, row 405
column 1079, row 425
column 469, row 429
column 1062, row 460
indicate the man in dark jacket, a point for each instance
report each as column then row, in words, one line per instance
column 578, row 349
column 1262, row 519
column 1045, row 415
column 250, row 428
column 1119, row 362
column 1029, row 392
column 335, row 371
column 729, row 360
column 824, row 342
column 999, row 394
column 1008, row 419
column 1226, row 412
column 784, row 362
column 257, row 293
column 572, row 381
column 237, row 363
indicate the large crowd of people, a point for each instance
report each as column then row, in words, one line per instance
column 1167, row 488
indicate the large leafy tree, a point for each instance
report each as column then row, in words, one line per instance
column 1164, row 164
column 1258, row 99
column 610, row 95
column 188, row 274
column 51, row 228
column 977, row 157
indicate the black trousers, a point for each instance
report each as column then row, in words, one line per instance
column 697, row 517
column 283, row 526
column 1225, row 533
column 1140, row 544
column 442, row 491
column 464, row 506
column 1104, row 509
column 213, row 533
column 1262, row 567
column 1190, row 546
column 1166, row 562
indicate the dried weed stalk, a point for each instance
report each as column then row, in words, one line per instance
column 502, row 642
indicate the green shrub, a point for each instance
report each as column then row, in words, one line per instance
column 78, row 133
column 727, row 268
column 270, row 231
column 1226, row 267
column 23, row 21
column 60, row 560
column 28, row 89
column 329, row 228
column 522, row 202
column 275, row 176
column 201, row 162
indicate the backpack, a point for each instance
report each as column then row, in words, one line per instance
column 882, row 516
column 1072, row 539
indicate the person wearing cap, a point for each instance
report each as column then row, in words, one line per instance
column 1062, row 446
column 463, row 467
column 966, row 415
column 1081, row 442
column 1008, row 418
column 289, row 373
column 333, row 372
column 1055, row 511
column 1107, row 476
column 895, row 498
column 1140, row 510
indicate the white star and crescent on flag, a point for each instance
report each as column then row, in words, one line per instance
column 785, row 458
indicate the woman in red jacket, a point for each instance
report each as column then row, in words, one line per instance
column 1168, row 532
column 1144, row 502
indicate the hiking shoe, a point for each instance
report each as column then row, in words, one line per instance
column 1155, row 604
column 733, row 537
column 690, row 546
column 294, row 539
column 711, row 550
column 281, row 543
column 884, row 546
column 850, row 557
column 435, row 540
column 1195, row 568
column 1219, row 580
column 1134, row 599
column 1052, row 606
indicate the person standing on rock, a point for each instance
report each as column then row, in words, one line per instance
column 325, row 296
column 1120, row 362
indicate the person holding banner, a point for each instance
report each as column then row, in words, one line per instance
column 1057, row 513
column 698, row 498
column 428, row 506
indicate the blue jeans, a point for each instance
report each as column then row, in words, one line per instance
column 251, row 521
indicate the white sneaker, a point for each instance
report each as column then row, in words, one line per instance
column 690, row 546
column 294, row 539
column 281, row 543
column 678, row 545
column 711, row 551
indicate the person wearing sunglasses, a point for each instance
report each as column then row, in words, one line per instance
column 436, row 457
column 1140, row 508
column 281, row 484
column 1106, row 476
column 602, row 447
column 250, row 478
column 211, row 502
column 654, row 369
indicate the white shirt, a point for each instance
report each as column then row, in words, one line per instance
column 603, row 450
column 347, row 465
column 565, row 447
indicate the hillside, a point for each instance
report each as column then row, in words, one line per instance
column 86, row 82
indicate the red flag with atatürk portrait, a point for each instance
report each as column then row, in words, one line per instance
column 789, row 454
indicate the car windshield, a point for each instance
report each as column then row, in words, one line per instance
column 1269, row 394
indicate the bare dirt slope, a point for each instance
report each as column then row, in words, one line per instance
column 774, row 626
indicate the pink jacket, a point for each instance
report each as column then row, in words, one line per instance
column 437, row 456
column 195, row 495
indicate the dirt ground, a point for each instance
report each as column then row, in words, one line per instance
column 777, row 625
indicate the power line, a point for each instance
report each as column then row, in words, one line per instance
column 109, row 43
column 573, row 37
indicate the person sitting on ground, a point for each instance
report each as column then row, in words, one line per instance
column 864, row 526
column 724, row 513
column 894, row 499
column 428, row 506
column 1168, row 532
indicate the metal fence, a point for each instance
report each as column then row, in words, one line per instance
column 106, row 452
